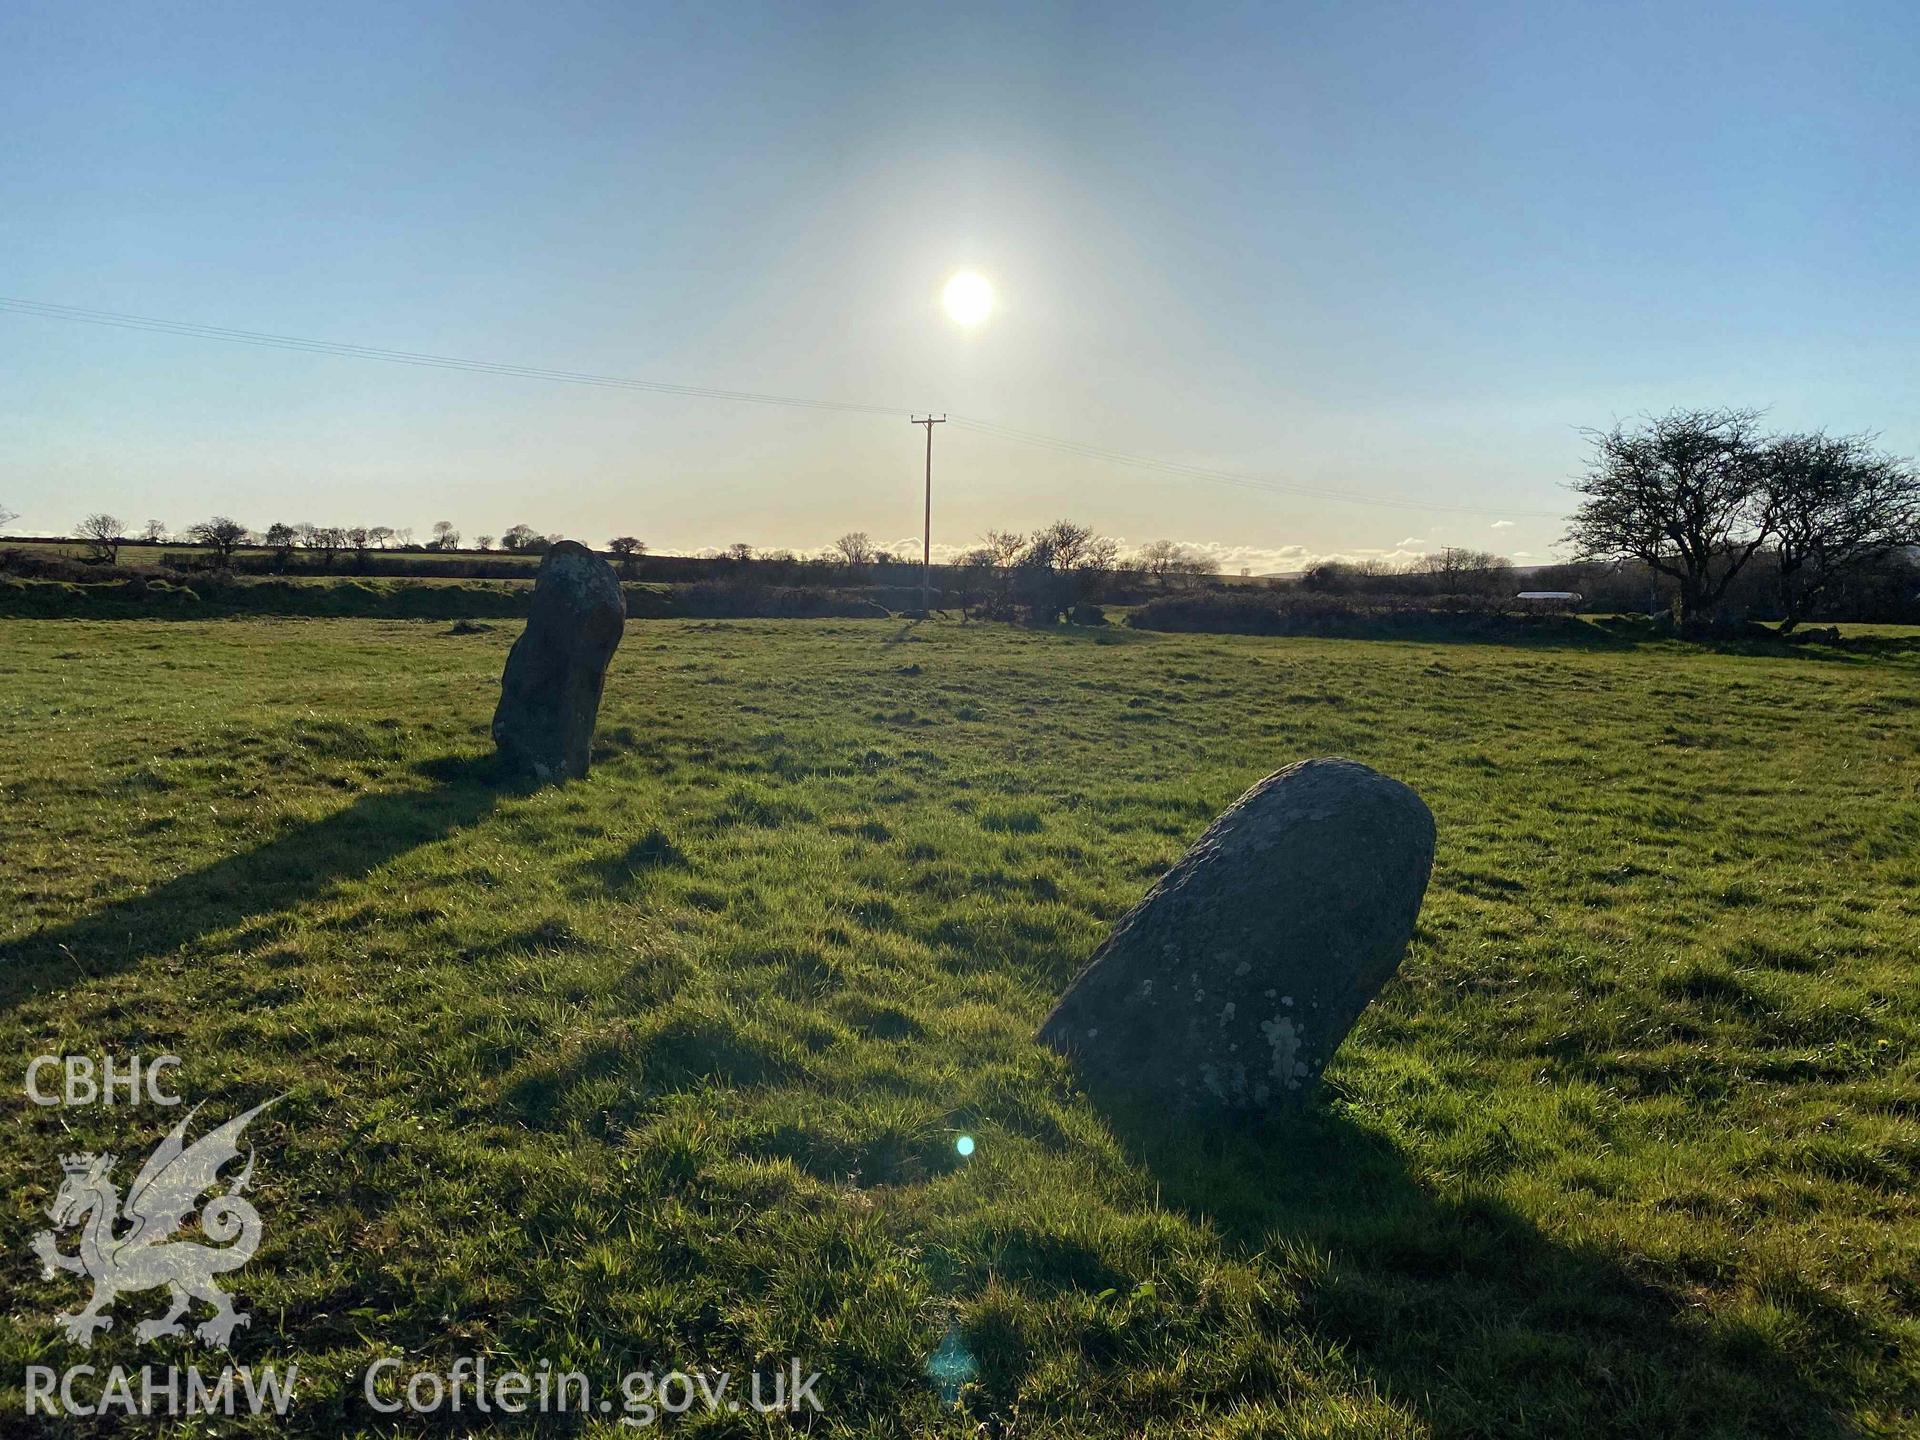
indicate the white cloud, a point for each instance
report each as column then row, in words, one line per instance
column 1503, row 524
column 1412, row 540
column 1261, row 560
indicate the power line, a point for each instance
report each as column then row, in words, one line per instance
column 307, row 345
column 408, row 357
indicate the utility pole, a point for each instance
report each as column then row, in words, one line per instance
column 926, row 533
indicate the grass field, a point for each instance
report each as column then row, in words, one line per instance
column 670, row 1066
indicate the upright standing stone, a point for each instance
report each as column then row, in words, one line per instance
column 550, row 690
column 1231, row 984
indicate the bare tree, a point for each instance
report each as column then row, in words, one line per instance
column 483, row 542
column 8, row 516
column 1003, row 547
column 1058, row 565
column 1442, row 565
column 1838, row 507
column 973, row 575
column 280, row 536
column 1460, row 572
column 1162, row 558
column 626, row 547
column 1331, row 577
column 1099, row 555
column 445, row 537
column 1066, row 544
column 1682, row 493
column 382, row 535
column 155, row 532
column 361, row 539
column 855, row 550
column 222, row 535
column 1038, row 582
column 326, row 539
column 1094, row 567
column 518, row 538
column 739, row 552
column 104, row 535
column 992, row 565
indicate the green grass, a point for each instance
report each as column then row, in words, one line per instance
column 669, row 1066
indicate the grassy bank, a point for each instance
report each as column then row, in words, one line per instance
column 347, row 597
column 669, row 1067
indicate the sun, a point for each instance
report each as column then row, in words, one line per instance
column 968, row 298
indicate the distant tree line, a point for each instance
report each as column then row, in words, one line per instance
column 1042, row 577
column 1452, row 572
column 1698, row 514
column 1050, row 575
column 1695, row 512
column 223, row 536
column 1885, row 587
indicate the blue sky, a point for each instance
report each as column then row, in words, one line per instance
column 1388, row 251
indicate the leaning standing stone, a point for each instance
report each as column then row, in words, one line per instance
column 1232, row 983
column 550, row 690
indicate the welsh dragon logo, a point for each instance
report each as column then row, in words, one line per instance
column 148, row 1256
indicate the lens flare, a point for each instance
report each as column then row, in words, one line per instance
column 952, row 1365
column 964, row 1145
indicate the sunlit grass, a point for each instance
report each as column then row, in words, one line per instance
column 676, row 1066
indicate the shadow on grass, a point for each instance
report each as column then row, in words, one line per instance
column 1463, row 1311
column 1866, row 647
column 626, row 872
column 280, row 874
